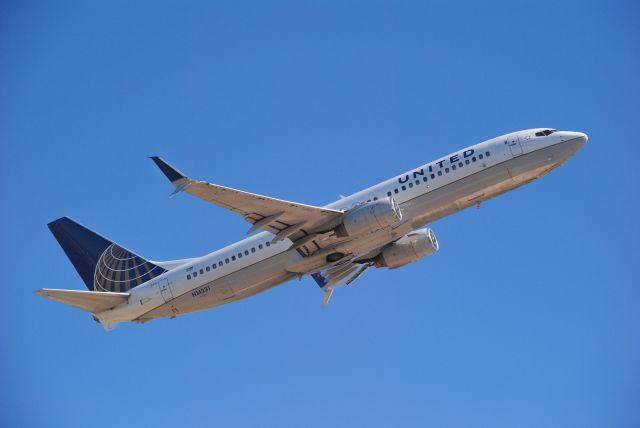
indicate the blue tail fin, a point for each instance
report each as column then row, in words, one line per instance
column 103, row 265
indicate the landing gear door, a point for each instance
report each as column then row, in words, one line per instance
column 514, row 145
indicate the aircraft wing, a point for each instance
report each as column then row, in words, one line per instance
column 285, row 219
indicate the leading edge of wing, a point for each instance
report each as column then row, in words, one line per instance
column 253, row 207
column 174, row 176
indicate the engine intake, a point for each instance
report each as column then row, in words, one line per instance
column 411, row 247
column 370, row 217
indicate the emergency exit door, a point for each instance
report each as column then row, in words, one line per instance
column 165, row 289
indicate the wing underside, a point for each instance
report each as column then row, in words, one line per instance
column 301, row 223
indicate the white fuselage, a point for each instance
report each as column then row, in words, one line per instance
column 424, row 194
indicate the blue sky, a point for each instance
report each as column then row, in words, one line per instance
column 527, row 316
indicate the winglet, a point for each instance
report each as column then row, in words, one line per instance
column 327, row 296
column 319, row 279
column 172, row 174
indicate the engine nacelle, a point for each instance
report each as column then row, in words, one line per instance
column 370, row 217
column 409, row 248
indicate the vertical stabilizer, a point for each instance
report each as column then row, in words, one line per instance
column 102, row 264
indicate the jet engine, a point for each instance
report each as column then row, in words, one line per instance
column 370, row 217
column 409, row 248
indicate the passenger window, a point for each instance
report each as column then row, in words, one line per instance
column 260, row 246
column 208, row 268
column 480, row 156
column 220, row 263
column 213, row 266
column 395, row 191
column 487, row 154
column 375, row 198
column 268, row 243
column 410, row 185
column 388, row 193
column 226, row 261
column 417, row 182
column 433, row 176
column 253, row 249
column 239, row 255
column 188, row 276
column 467, row 162
column 233, row 258
column 201, row 271
column 446, row 170
column 453, row 167
column 473, row 159
column 460, row 165
column 424, row 179
column 246, row 252
column 439, row 173
column 195, row 274
column 404, row 188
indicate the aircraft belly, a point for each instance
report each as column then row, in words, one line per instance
column 235, row 286
column 479, row 187
column 457, row 195
column 540, row 162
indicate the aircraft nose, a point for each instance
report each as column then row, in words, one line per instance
column 579, row 138
column 582, row 138
column 574, row 141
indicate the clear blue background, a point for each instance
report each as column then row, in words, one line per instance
column 528, row 315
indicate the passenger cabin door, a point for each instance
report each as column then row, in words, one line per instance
column 514, row 145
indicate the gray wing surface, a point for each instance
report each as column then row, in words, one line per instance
column 283, row 218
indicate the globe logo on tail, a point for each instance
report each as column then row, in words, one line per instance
column 119, row 270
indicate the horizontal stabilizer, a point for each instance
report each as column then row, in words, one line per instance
column 91, row 301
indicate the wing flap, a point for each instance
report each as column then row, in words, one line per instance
column 91, row 301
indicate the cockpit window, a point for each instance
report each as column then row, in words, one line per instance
column 545, row 132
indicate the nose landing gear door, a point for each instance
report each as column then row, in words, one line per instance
column 514, row 145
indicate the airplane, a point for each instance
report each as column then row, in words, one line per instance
column 381, row 226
